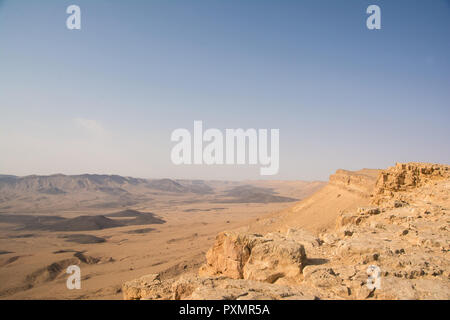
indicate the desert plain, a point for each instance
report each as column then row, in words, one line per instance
column 117, row 228
column 366, row 234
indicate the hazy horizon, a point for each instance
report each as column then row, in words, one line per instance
column 159, row 178
column 105, row 99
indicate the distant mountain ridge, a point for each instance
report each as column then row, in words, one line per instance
column 115, row 184
column 53, row 193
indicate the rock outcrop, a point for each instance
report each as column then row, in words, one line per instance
column 360, row 182
column 254, row 257
column 407, row 176
column 229, row 254
column 149, row 286
column 396, row 248
column 193, row 287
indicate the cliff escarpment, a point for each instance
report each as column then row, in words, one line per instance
column 395, row 246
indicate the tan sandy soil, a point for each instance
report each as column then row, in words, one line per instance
column 35, row 267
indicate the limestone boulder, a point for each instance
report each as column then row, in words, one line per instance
column 229, row 254
column 276, row 257
column 254, row 257
column 146, row 287
column 239, row 289
column 305, row 238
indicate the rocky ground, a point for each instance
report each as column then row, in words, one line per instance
column 402, row 239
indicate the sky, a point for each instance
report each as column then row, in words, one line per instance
column 106, row 98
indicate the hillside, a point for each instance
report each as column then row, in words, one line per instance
column 390, row 224
column 346, row 190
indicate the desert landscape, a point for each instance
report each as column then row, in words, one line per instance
column 118, row 228
column 224, row 150
column 393, row 221
column 183, row 239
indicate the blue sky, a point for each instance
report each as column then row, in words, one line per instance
column 106, row 98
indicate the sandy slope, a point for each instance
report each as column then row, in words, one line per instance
column 393, row 227
column 35, row 266
column 317, row 213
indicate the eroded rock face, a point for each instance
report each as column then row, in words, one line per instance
column 229, row 254
column 221, row 288
column 406, row 235
column 149, row 286
column 305, row 238
column 254, row 257
column 274, row 257
column 406, row 176
column 360, row 182
column 193, row 287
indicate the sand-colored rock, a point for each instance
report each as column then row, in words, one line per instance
column 254, row 257
column 346, row 191
column 146, row 287
column 193, row 287
column 305, row 238
column 275, row 257
column 405, row 176
column 231, row 289
column 229, row 254
column 404, row 235
column 360, row 182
